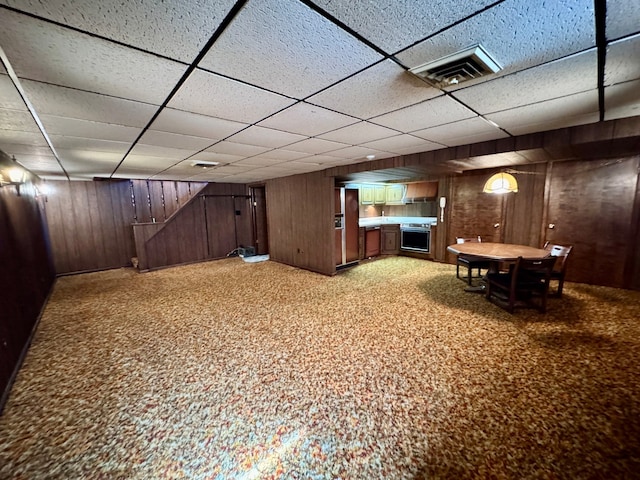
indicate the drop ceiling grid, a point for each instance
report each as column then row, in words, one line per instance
column 177, row 29
column 622, row 100
column 37, row 50
column 518, row 33
column 306, row 52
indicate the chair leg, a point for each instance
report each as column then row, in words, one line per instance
column 469, row 273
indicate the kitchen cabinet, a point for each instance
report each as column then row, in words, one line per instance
column 367, row 194
column 379, row 194
column 395, row 194
column 372, row 242
column 390, row 239
column 421, row 191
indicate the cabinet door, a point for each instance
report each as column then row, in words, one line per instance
column 395, row 194
column 366, row 195
column 372, row 243
column 390, row 241
column 380, row 195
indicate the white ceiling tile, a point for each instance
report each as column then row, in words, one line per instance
column 258, row 161
column 176, row 154
column 40, row 162
column 215, row 157
column 623, row 18
column 622, row 63
column 89, row 144
column 395, row 24
column 23, row 149
column 306, row 119
column 221, row 97
column 67, row 102
column 357, row 152
column 315, row 145
column 231, row 148
column 18, row 137
column 399, row 142
column 433, row 112
column 568, row 111
column 176, row 29
column 188, row 123
column 171, row 175
column 377, row 90
column 359, row 133
column 49, row 53
column 174, row 140
column 265, row 137
column 20, row 120
column 471, row 130
column 9, row 96
column 84, row 128
column 285, row 47
column 557, row 79
column 143, row 162
column 319, row 159
column 622, row 100
column 92, row 157
column 517, row 33
column 281, row 154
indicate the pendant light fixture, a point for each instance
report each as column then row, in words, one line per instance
column 501, row 183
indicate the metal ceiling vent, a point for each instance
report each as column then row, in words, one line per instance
column 204, row 164
column 473, row 62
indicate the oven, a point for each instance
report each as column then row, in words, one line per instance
column 415, row 237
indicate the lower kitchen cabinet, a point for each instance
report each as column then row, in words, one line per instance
column 390, row 239
column 372, row 242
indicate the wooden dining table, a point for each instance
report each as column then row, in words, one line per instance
column 496, row 253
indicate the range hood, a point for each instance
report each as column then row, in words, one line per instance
column 418, row 192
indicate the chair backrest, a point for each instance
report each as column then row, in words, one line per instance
column 469, row 240
column 561, row 253
column 534, row 273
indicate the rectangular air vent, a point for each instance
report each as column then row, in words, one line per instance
column 204, row 164
column 473, row 62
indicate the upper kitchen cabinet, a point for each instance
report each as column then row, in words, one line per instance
column 421, row 191
column 395, row 194
column 379, row 194
column 373, row 194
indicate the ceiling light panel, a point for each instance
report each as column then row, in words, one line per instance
column 67, row 102
column 463, row 132
column 622, row 62
column 377, row 90
column 533, row 85
column 37, row 50
column 519, row 34
column 622, row 18
column 217, row 96
column 405, row 21
column 622, row 100
column 306, row 52
column 567, row 111
column 177, row 30
column 188, row 123
column 306, row 119
column 437, row 111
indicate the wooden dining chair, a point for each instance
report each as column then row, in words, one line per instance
column 471, row 262
column 561, row 253
column 525, row 285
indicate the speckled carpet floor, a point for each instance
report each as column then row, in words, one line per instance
column 232, row 370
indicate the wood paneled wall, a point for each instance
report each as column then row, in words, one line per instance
column 90, row 222
column 215, row 222
column 300, row 215
column 26, row 276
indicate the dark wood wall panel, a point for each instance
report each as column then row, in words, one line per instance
column 90, row 225
column 220, row 220
column 300, row 214
column 591, row 205
column 26, row 276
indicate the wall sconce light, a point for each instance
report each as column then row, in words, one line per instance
column 501, row 183
column 443, row 203
column 14, row 175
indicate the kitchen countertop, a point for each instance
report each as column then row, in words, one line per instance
column 378, row 221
